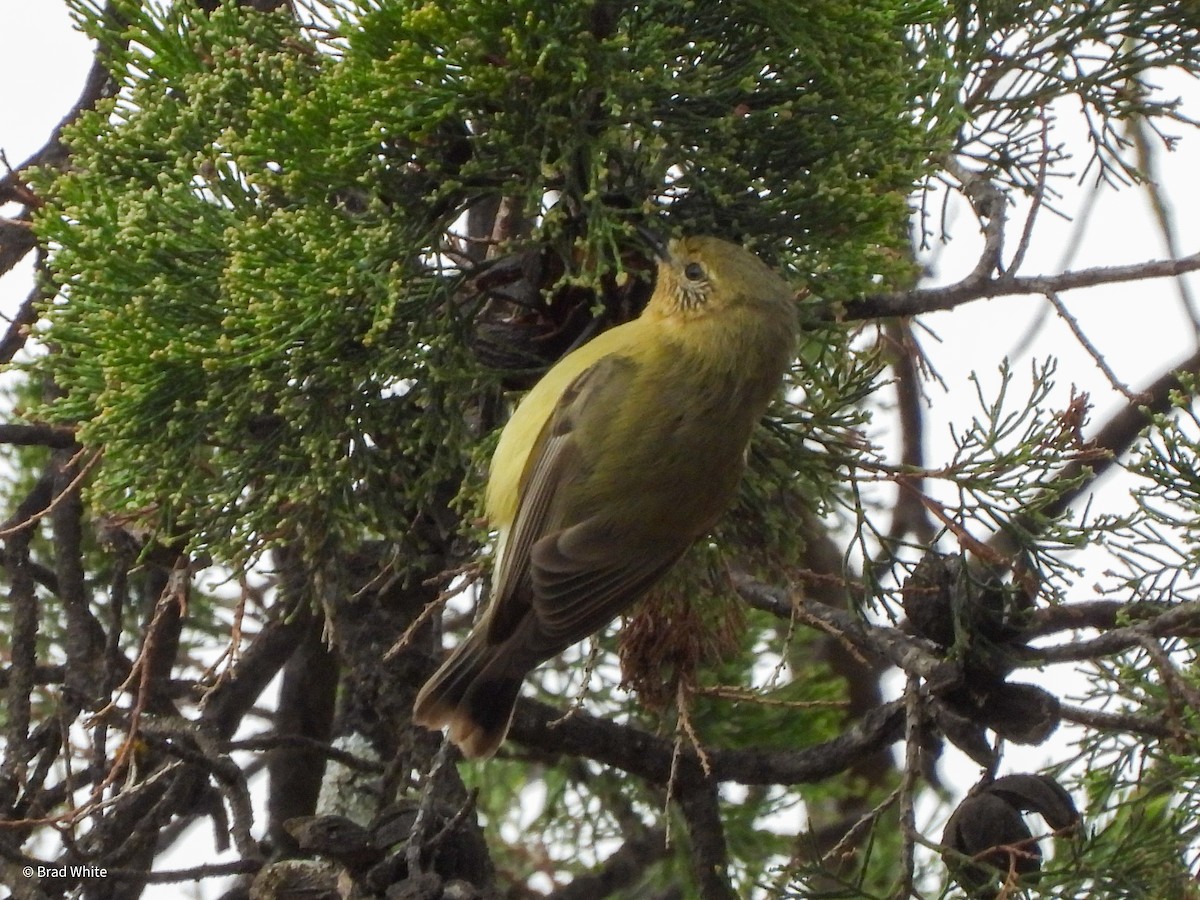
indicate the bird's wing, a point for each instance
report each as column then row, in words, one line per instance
column 554, row 461
column 574, row 576
column 585, row 575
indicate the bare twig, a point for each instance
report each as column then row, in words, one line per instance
column 1147, row 161
column 924, row 300
column 1070, row 250
column 683, row 703
column 65, row 493
column 1097, row 357
column 852, row 839
column 1039, row 196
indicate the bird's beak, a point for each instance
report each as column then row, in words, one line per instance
column 656, row 241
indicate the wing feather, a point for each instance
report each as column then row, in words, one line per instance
column 554, row 462
column 559, row 579
column 574, row 597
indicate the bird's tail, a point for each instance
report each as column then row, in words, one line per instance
column 473, row 695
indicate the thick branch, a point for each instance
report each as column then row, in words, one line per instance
column 909, row 654
column 698, row 803
column 23, row 630
column 233, row 698
column 1100, row 720
column 1096, row 614
column 909, row 515
column 16, row 239
column 541, row 726
column 84, row 634
column 35, row 435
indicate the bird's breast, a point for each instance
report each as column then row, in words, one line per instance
column 671, row 457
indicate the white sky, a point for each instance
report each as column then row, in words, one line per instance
column 1138, row 327
column 43, row 63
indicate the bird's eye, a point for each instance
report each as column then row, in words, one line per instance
column 694, row 272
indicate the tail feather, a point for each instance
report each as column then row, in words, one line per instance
column 470, row 696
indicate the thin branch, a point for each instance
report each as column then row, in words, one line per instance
column 924, row 300
column 624, row 869
column 1180, row 619
column 851, row 841
column 1039, row 196
column 1176, row 684
column 274, row 741
column 1147, row 161
column 1116, row 436
column 909, row 516
column 1095, row 614
column 66, row 494
column 1079, row 222
column 1097, row 357
column 910, row 654
column 190, row 876
column 990, row 206
column 1107, row 721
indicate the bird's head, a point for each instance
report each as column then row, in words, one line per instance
column 703, row 275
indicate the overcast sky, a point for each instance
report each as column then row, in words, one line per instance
column 43, row 62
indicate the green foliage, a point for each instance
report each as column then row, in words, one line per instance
column 1165, row 554
column 1141, row 830
column 254, row 319
column 243, row 345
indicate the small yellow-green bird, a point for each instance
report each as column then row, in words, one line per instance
column 627, row 451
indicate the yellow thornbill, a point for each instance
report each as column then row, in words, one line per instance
column 628, row 450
